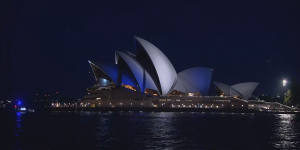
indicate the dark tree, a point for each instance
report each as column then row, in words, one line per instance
column 295, row 93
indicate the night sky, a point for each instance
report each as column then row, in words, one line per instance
column 45, row 45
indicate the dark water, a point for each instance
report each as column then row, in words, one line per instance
column 143, row 130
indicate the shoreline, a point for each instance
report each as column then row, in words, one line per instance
column 196, row 110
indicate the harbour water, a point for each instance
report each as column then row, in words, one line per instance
column 148, row 130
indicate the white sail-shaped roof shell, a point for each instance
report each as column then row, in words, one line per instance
column 227, row 89
column 245, row 88
column 142, row 77
column 165, row 71
column 196, row 79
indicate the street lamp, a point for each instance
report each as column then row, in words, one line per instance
column 284, row 82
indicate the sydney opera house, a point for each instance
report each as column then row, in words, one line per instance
column 150, row 71
column 147, row 78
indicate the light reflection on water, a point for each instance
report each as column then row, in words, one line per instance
column 18, row 129
column 285, row 133
column 156, row 130
column 18, row 123
column 161, row 131
column 139, row 130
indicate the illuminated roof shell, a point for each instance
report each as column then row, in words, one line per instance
column 165, row 72
column 227, row 89
column 98, row 72
column 196, row 79
column 142, row 77
column 244, row 90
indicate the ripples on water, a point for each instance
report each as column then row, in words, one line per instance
column 143, row 130
column 286, row 132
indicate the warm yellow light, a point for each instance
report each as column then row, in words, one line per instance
column 129, row 87
column 190, row 94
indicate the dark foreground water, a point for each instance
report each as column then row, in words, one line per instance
column 146, row 130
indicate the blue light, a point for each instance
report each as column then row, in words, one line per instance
column 19, row 103
column 104, row 82
column 19, row 114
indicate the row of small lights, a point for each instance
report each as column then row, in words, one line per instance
column 142, row 104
